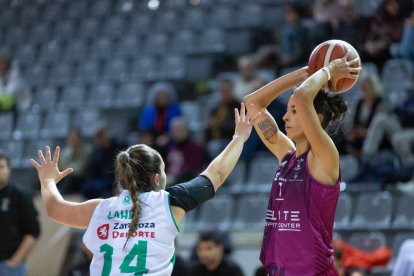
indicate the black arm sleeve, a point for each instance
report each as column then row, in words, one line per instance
column 191, row 194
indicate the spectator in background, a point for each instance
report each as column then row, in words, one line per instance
column 352, row 27
column 293, row 38
column 184, row 157
column 371, row 104
column 210, row 252
column 220, row 124
column 20, row 226
column 405, row 47
column 326, row 14
column 248, row 81
column 386, row 28
column 74, row 155
column 14, row 93
column 100, row 168
column 160, row 110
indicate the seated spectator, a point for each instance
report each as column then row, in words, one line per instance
column 220, row 125
column 74, row 155
column 386, row 28
column 184, row 157
column 248, row 80
column 212, row 261
column 371, row 104
column 100, row 168
column 326, row 14
column 160, row 110
column 14, row 93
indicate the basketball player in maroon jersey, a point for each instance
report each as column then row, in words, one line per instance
column 300, row 214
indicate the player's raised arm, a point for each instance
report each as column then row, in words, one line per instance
column 266, row 126
column 63, row 211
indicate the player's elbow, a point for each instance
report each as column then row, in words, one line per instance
column 216, row 175
column 301, row 94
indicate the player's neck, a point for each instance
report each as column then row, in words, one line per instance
column 301, row 147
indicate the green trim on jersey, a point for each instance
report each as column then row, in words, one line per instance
column 169, row 206
column 173, row 260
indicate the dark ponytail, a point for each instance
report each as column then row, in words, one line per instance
column 333, row 109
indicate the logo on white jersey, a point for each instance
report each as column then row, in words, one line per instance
column 103, row 231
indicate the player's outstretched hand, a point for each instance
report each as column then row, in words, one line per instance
column 244, row 121
column 341, row 67
column 48, row 169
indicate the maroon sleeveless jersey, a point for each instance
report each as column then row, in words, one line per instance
column 297, row 238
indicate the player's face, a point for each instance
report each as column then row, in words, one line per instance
column 292, row 126
column 208, row 252
column 4, row 172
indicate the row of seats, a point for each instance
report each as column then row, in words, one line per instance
column 369, row 211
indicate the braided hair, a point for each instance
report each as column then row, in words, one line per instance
column 134, row 170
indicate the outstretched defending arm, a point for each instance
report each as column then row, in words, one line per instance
column 65, row 212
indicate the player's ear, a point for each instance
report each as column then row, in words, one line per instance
column 155, row 181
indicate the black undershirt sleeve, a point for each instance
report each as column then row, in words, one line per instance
column 191, row 194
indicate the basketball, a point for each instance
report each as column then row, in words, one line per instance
column 325, row 53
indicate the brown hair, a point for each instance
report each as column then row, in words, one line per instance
column 134, row 169
column 333, row 109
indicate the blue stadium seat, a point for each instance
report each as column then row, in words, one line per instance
column 115, row 26
column 261, row 173
column 30, row 150
column 142, row 24
column 102, row 8
column 236, row 181
column 169, row 21
column 145, row 68
column 102, row 48
column 128, row 46
column 36, row 74
column 90, row 27
column 88, row 71
column 250, row 16
column 73, row 97
column 76, row 50
column 7, row 124
column 343, row 211
column 213, row 41
column 373, row 211
column 349, row 167
column 64, row 30
column 156, row 43
column 40, row 32
column 51, row 51
column 116, row 69
column 195, row 19
column 223, row 16
column 397, row 72
column 61, row 74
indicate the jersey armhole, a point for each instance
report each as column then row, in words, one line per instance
column 87, row 228
column 172, row 216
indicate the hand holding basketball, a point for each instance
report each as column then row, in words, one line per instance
column 342, row 68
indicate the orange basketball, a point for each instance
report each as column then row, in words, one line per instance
column 325, row 53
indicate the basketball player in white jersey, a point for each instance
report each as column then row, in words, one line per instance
column 133, row 233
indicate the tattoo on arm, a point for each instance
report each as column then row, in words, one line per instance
column 268, row 129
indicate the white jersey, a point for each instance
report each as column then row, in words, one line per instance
column 150, row 251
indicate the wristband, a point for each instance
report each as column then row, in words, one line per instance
column 327, row 72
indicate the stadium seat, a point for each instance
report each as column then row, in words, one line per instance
column 45, row 98
column 56, row 124
column 373, row 211
column 6, row 123
column 156, row 43
column 116, row 69
column 367, row 241
column 102, row 48
column 77, row 10
column 239, row 42
column 250, row 16
column 367, row 8
column 40, row 32
column 101, row 95
column 184, row 41
column 115, row 26
column 397, row 72
column 213, row 41
column 76, row 50
column 51, row 51
column 223, row 16
column 404, row 215
column 141, row 24
column 88, row 71
column 169, row 21
column 343, row 211
column 28, row 125
column 261, row 173
column 14, row 149
column 102, row 8
column 37, row 74
column 130, row 95
column 27, row 54
column 61, row 74
column 273, row 15
column 201, row 68
column 173, row 67
column 129, row 45
column 64, row 30
column 89, row 27
column 250, row 212
column 195, row 19
column 349, row 167
column 236, row 181
column 86, row 121
column 73, row 97
column 216, row 214
column 145, row 68
column 190, row 220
